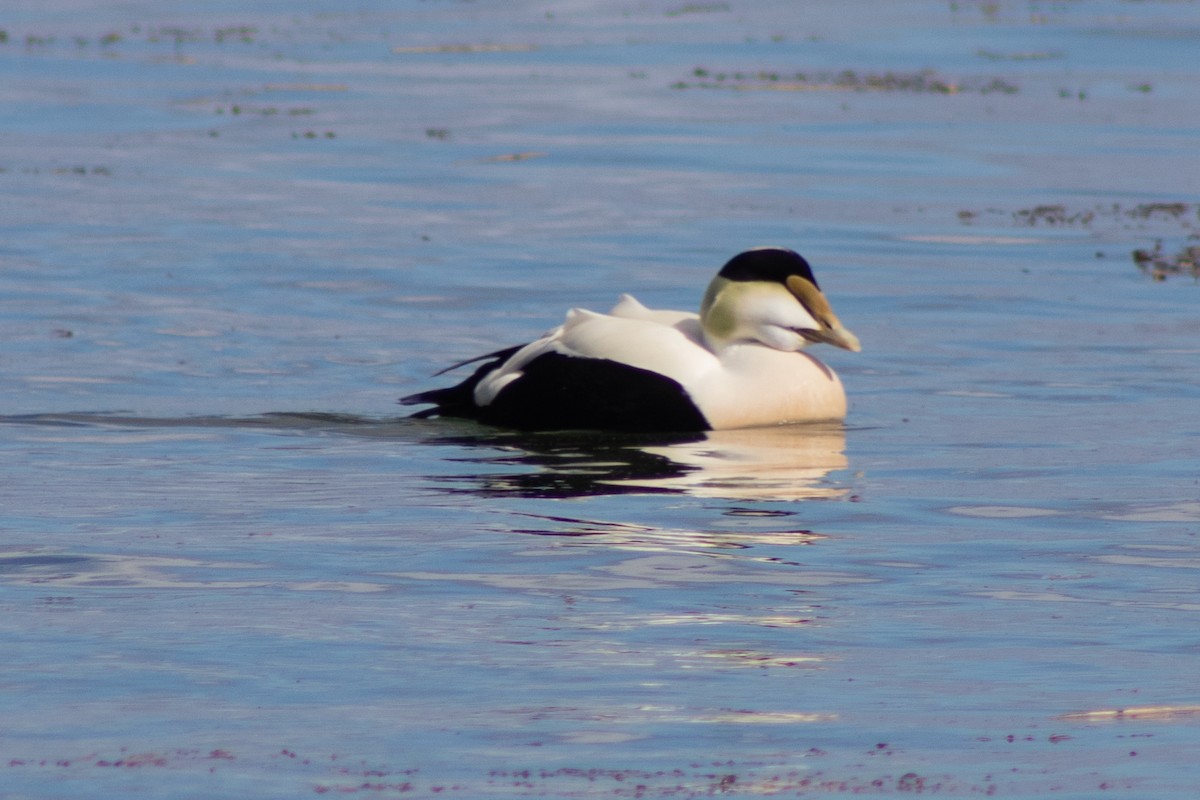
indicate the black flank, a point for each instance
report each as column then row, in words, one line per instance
column 558, row 392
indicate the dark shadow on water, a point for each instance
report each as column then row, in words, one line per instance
column 780, row 463
column 567, row 464
column 786, row 462
column 560, row 464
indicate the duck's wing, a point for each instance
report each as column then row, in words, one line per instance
column 595, row 371
column 673, row 351
column 598, row 371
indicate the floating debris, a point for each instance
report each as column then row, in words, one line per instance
column 510, row 157
column 1153, row 216
column 1052, row 215
column 75, row 169
column 242, row 33
column 924, row 82
column 178, row 34
column 1159, row 264
column 1140, row 712
column 266, row 111
column 171, row 34
column 1172, row 210
column 1058, row 214
column 465, row 48
column 306, row 87
column 1043, row 55
column 697, row 8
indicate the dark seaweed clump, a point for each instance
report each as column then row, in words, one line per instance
column 924, row 82
column 1143, row 212
column 1159, row 264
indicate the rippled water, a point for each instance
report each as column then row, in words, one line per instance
column 230, row 568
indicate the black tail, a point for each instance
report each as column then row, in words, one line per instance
column 458, row 400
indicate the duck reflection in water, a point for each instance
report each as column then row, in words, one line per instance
column 784, row 462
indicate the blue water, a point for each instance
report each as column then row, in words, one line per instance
column 230, row 240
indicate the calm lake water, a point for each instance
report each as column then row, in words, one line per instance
column 231, row 239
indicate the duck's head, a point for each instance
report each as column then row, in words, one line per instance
column 769, row 295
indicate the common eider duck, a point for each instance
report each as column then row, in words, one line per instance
column 739, row 363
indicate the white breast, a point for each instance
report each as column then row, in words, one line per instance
column 757, row 386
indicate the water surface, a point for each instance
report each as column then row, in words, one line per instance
column 229, row 567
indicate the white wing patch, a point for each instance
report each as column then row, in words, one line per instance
column 666, row 342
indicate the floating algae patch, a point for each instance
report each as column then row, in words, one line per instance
column 1129, row 217
column 922, row 82
column 109, row 38
column 1159, row 264
column 1034, row 55
column 1165, row 712
column 1166, row 217
column 1138, row 217
column 463, row 48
